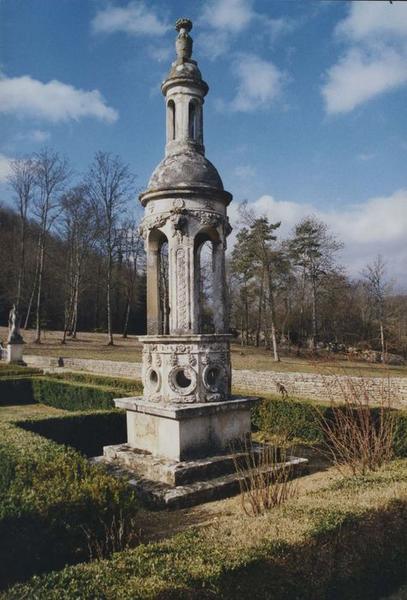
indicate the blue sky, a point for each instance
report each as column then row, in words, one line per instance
column 306, row 111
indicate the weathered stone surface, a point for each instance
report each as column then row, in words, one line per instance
column 14, row 353
column 173, row 472
column 185, row 169
column 186, row 368
column 162, row 495
column 182, row 432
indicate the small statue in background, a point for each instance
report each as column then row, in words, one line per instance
column 14, row 336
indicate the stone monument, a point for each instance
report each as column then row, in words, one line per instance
column 15, row 342
column 182, row 428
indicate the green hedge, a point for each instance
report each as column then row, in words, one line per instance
column 301, row 419
column 11, row 371
column 16, row 390
column 86, row 432
column 130, row 386
column 59, row 394
column 52, row 501
column 345, row 542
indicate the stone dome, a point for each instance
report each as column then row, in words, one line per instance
column 184, row 170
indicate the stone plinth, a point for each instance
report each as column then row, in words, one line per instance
column 170, row 484
column 15, row 353
column 183, row 432
column 186, row 368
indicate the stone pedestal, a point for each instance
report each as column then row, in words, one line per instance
column 15, row 353
column 188, row 431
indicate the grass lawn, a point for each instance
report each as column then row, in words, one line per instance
column 94, row 346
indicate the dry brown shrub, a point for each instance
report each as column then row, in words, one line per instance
column 117, row 534
column 359, row 429
column 265, row 477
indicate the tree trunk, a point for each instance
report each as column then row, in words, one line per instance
column 21, row 274
column 75, row 311
column 39, row 292
column 314, row 317
column 246, row 307
column 28, row 314
column 259, row 310
column 273, row 320
column 126, row 318
column 109, row 299
column 382, row 342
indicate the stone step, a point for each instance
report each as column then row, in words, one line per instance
column 160, row 495
column 181, row 473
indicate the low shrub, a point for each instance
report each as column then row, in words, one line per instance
column 12, row 371
column 86, row 432
column 63, row 394
column 337, row 544
column 130, row 386
column 301, row 420
column 55, row 507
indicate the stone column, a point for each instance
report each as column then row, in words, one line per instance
column 153, row 291
column 219, row 287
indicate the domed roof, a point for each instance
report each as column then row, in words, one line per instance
column 184, row 170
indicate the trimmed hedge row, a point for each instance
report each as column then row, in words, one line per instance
column 344, row 542
column 53, row 503
column 59, row 394
column 301, row 418
column 11, row 371
column 86, row 432
column 130, row 386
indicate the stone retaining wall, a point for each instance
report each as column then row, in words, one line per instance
column 109, row 368
column 305, row 385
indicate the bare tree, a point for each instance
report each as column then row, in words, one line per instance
column 51, row 174
column 21, row 180
column 378, row 289
column 133, row 254
column 110, row 185
column 312, row 249
column 79, row 225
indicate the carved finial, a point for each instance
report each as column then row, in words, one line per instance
column 183, row 23
column 183, row 44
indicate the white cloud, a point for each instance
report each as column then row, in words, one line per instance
column 244, row 171
column 134, row 19
column 33, row 135
column 359, row 76
column 375, row 60
column 367, row 20
column 279, row 27
column 259, row 83
column 213, row 44
column 227, row 18
column 53, row 101
column 377, row 226
column 5, row 167
column 228, row 15
column 364, row 156
column 161, row 53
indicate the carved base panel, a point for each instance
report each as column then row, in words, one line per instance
column 186, row 369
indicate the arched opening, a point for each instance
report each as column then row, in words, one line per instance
column 171, row 119
column 204, row 249
column 158, row 308
column 164, row 289
column 192, row 123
